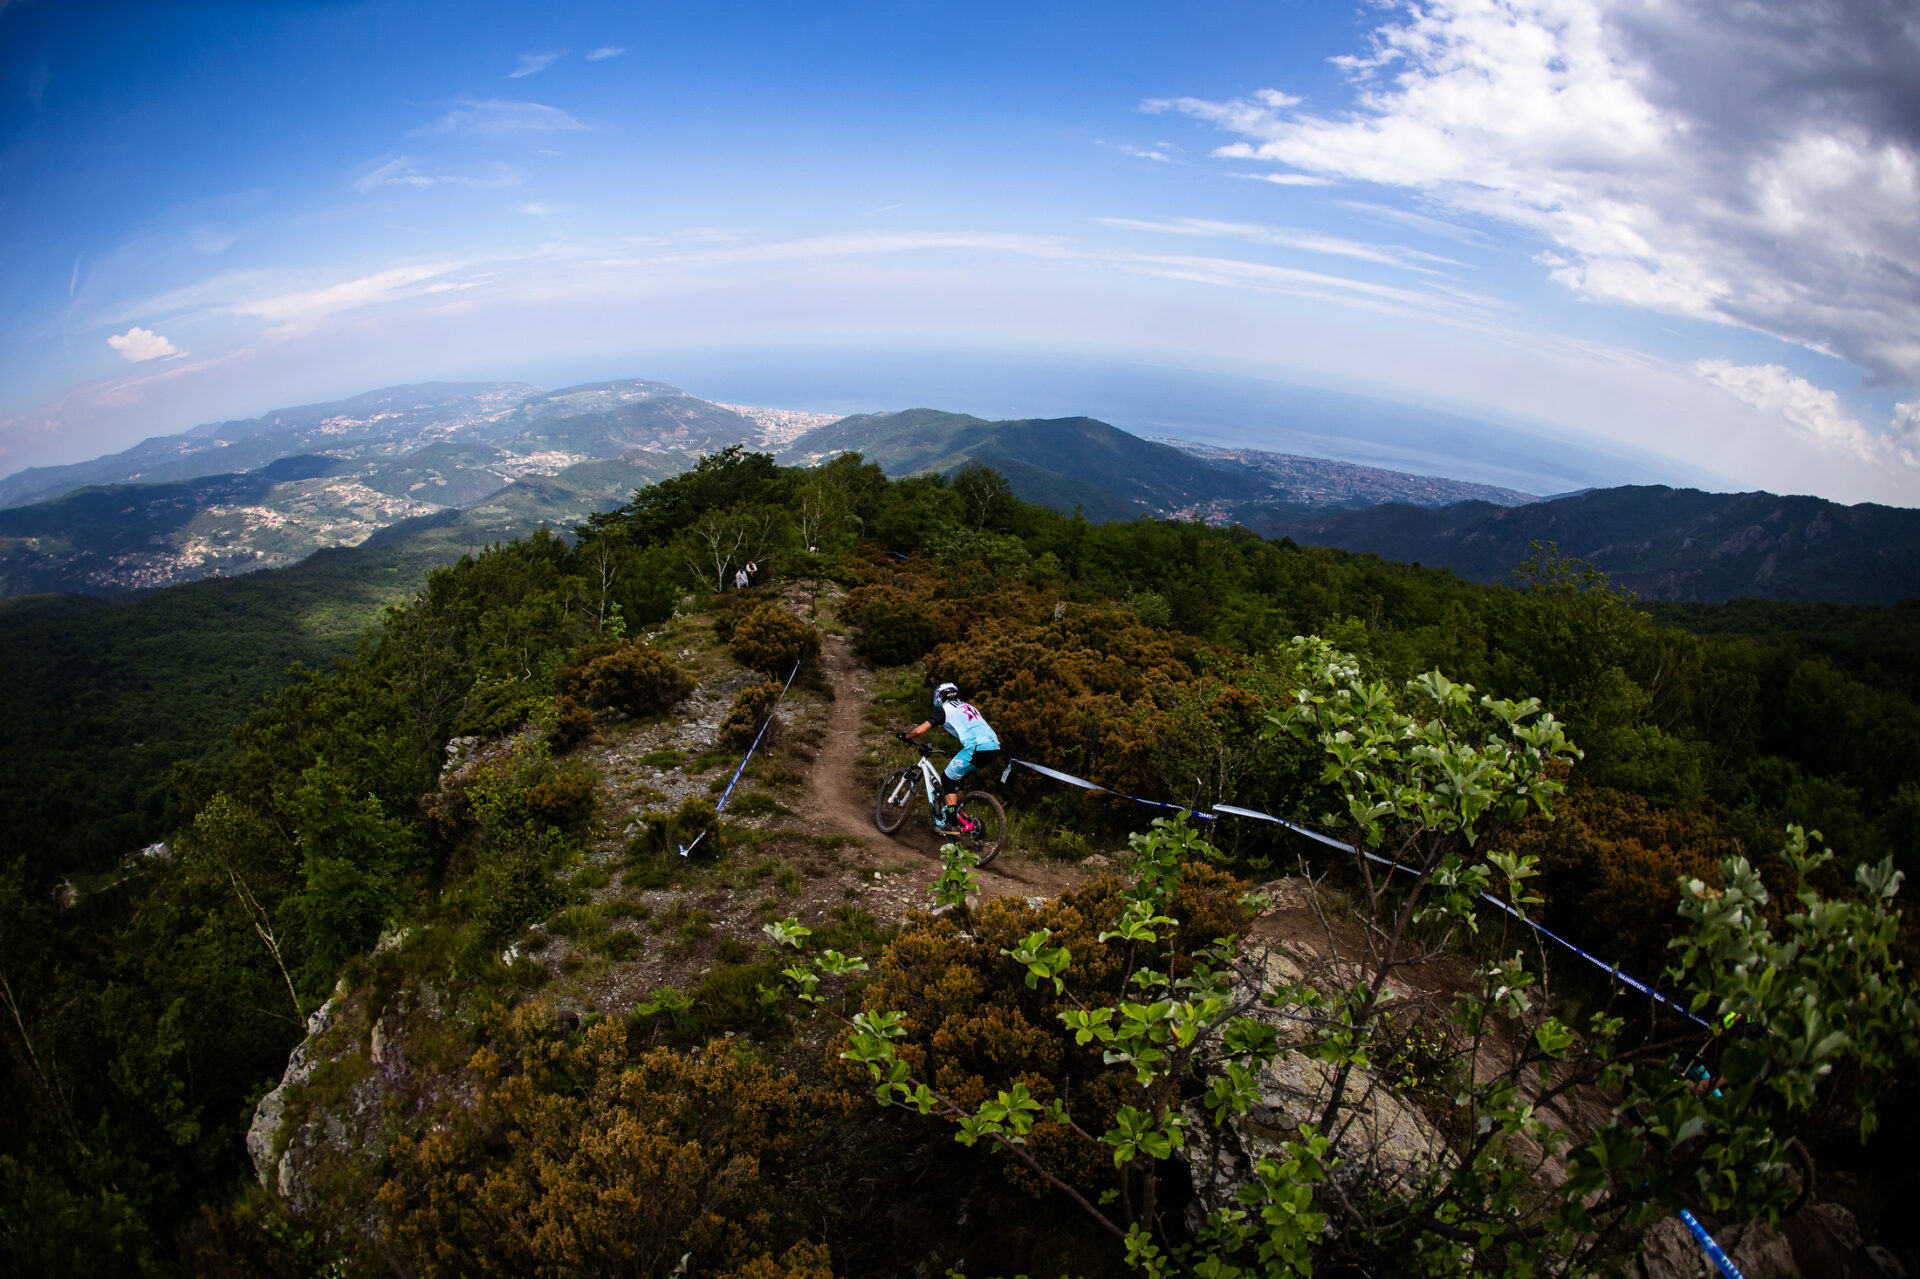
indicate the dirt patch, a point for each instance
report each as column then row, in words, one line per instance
column 840, row 803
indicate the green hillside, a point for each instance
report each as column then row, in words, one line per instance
column 1661, row 543
column 537, row 1008
column 117, row 693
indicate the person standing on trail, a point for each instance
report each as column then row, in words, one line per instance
column 978, row 746
column 743, row 577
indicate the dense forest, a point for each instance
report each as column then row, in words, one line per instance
column 321, row 849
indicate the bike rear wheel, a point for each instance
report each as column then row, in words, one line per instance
column 895, row 800
column 989, row 822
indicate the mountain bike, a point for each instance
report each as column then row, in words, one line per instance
column 982, row 823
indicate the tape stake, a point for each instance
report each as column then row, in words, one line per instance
column 1715, row 1254
column 686, row 850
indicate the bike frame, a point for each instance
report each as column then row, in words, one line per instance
column 935, row 782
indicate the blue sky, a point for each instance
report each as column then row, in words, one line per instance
column 1660, row 234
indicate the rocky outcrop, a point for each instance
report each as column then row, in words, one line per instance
column 1381, row 1139
column 270, row 1115
column 347, row 1087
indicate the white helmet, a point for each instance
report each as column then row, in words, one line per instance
column 941, row 694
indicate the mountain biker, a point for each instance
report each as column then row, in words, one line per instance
column 978, row 746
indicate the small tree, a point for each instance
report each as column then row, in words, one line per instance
column 983, row 493
column 826, row 517
column 724, row 539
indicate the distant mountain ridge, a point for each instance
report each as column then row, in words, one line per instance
column 1661, row 543
column 462, row 464
column 435, row 469
column 409, row 417
column 1112, row 474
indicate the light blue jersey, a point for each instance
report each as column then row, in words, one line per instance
column 970, row 726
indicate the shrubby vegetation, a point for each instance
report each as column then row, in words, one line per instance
column 145, row 1017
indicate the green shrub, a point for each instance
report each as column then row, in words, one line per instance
column 593, row 1158
column 570, row 724
column 565, row 797
column 729, row 609
column 770, row 640
column 497, row 709
column 628, row 677
column 895, row 628
column 757, row 804
column 751, row 707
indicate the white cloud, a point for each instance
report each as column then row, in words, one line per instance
column 138, row 344
column 606, row 51
column 1158, row 152
column 1905, row 429
column 1789, row 398
column 1750, row 164
column 498, row 116
column 1285, row 238
column 533, row 63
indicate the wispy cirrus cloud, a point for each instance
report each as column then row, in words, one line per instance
column 1416, row 221
column 1756, row 165
column 397, row 172
column 1288, row 238
column 497, row 116
column 534, row 63
column 1288, row 179
column 1447, row 306
column 304, row 306
column 138, row 345
column 299, row 298
column 403, row 171
column 606, row 51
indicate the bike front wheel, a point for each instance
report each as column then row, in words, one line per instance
column 895, row 800
column 988, row 825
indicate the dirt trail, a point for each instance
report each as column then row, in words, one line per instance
column 841, row 802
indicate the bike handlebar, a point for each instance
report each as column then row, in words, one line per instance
column 922, row 747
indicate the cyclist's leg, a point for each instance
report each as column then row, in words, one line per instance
column 957, row 768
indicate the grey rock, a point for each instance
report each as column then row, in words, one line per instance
column 271, row 1112
column 1381, row 1137
column 1667, row 1251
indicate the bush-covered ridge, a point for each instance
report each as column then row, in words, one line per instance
column 147, row 1018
